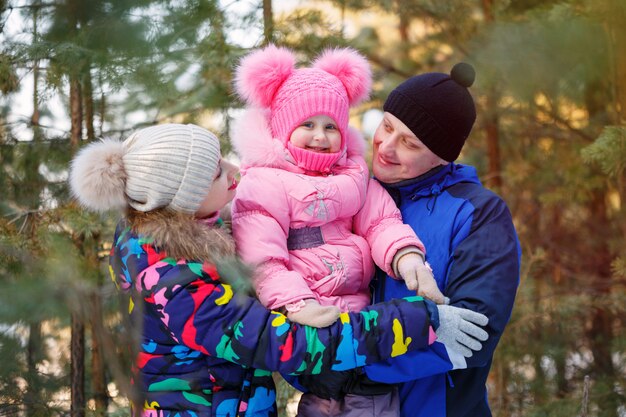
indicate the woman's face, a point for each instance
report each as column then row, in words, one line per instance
column 222, row 190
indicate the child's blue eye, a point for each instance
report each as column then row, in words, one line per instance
column 331, row 127
column 308, row 124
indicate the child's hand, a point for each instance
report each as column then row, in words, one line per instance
column 418, row 276
column 311, row 313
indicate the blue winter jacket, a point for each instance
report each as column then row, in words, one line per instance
column 475, row 254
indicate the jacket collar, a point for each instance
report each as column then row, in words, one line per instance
column 433, row 182
column 179, row 235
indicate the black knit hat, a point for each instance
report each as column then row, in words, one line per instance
column 437, row 108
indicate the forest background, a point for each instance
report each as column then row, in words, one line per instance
column 550, row 138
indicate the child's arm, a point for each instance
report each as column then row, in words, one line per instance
column 205, row 315
column 394, row 246
column 380, row 223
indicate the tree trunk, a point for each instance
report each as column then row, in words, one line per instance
column 76, row 112
column 34, row 119
column 562, row 384
column 617, row 33
column 76, row 108
column 403, row 28
column 538, row 392
column 500, row 397
column 32, row 399
column 98, row 375
column 343, row 19
column 404, row 22
column 617, row 36
column 77, row 344
column 556, row 240
column 268, row 22
column 88, row 104
column 492, row 129
column 102, row 110
column 488, row 10
column 494, row 174
column 600, row 333
column 598, row 253
column 77, row 375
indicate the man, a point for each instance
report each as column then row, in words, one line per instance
column 470, row 240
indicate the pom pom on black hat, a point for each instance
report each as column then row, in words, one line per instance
column 463, row 74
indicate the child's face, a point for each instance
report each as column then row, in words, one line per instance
column 318, row 134
column 222, row 190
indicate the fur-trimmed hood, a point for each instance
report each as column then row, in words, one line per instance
column 182, row 236
column 252, row 139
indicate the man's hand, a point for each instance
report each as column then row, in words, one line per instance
column 459, row 329
column 418, row 276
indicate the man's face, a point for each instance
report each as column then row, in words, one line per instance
column 398, row 153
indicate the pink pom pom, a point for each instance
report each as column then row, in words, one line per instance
column 260, row 74
column 351, row 68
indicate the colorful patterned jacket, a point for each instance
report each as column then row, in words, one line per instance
column 206, row 351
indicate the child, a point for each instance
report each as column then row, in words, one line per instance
column 307, row 214
column 203, row 352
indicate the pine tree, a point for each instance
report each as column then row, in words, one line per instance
column 549, row 138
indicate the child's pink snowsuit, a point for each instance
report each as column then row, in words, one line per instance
column 341, row 222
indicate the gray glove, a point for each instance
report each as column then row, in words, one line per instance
column 458, row 329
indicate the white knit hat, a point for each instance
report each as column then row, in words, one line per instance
column 169, row 165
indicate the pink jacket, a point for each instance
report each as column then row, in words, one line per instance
column 358, row 222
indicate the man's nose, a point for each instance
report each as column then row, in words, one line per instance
column 386, row 144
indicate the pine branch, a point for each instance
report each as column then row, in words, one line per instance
column 387, row 66
column 563, row 122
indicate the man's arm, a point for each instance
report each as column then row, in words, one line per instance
column 484, row 273
column 483, row 276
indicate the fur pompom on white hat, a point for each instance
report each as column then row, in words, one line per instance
column 163, row 166
column 97, row 176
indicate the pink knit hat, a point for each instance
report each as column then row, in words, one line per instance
column 337, row 80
